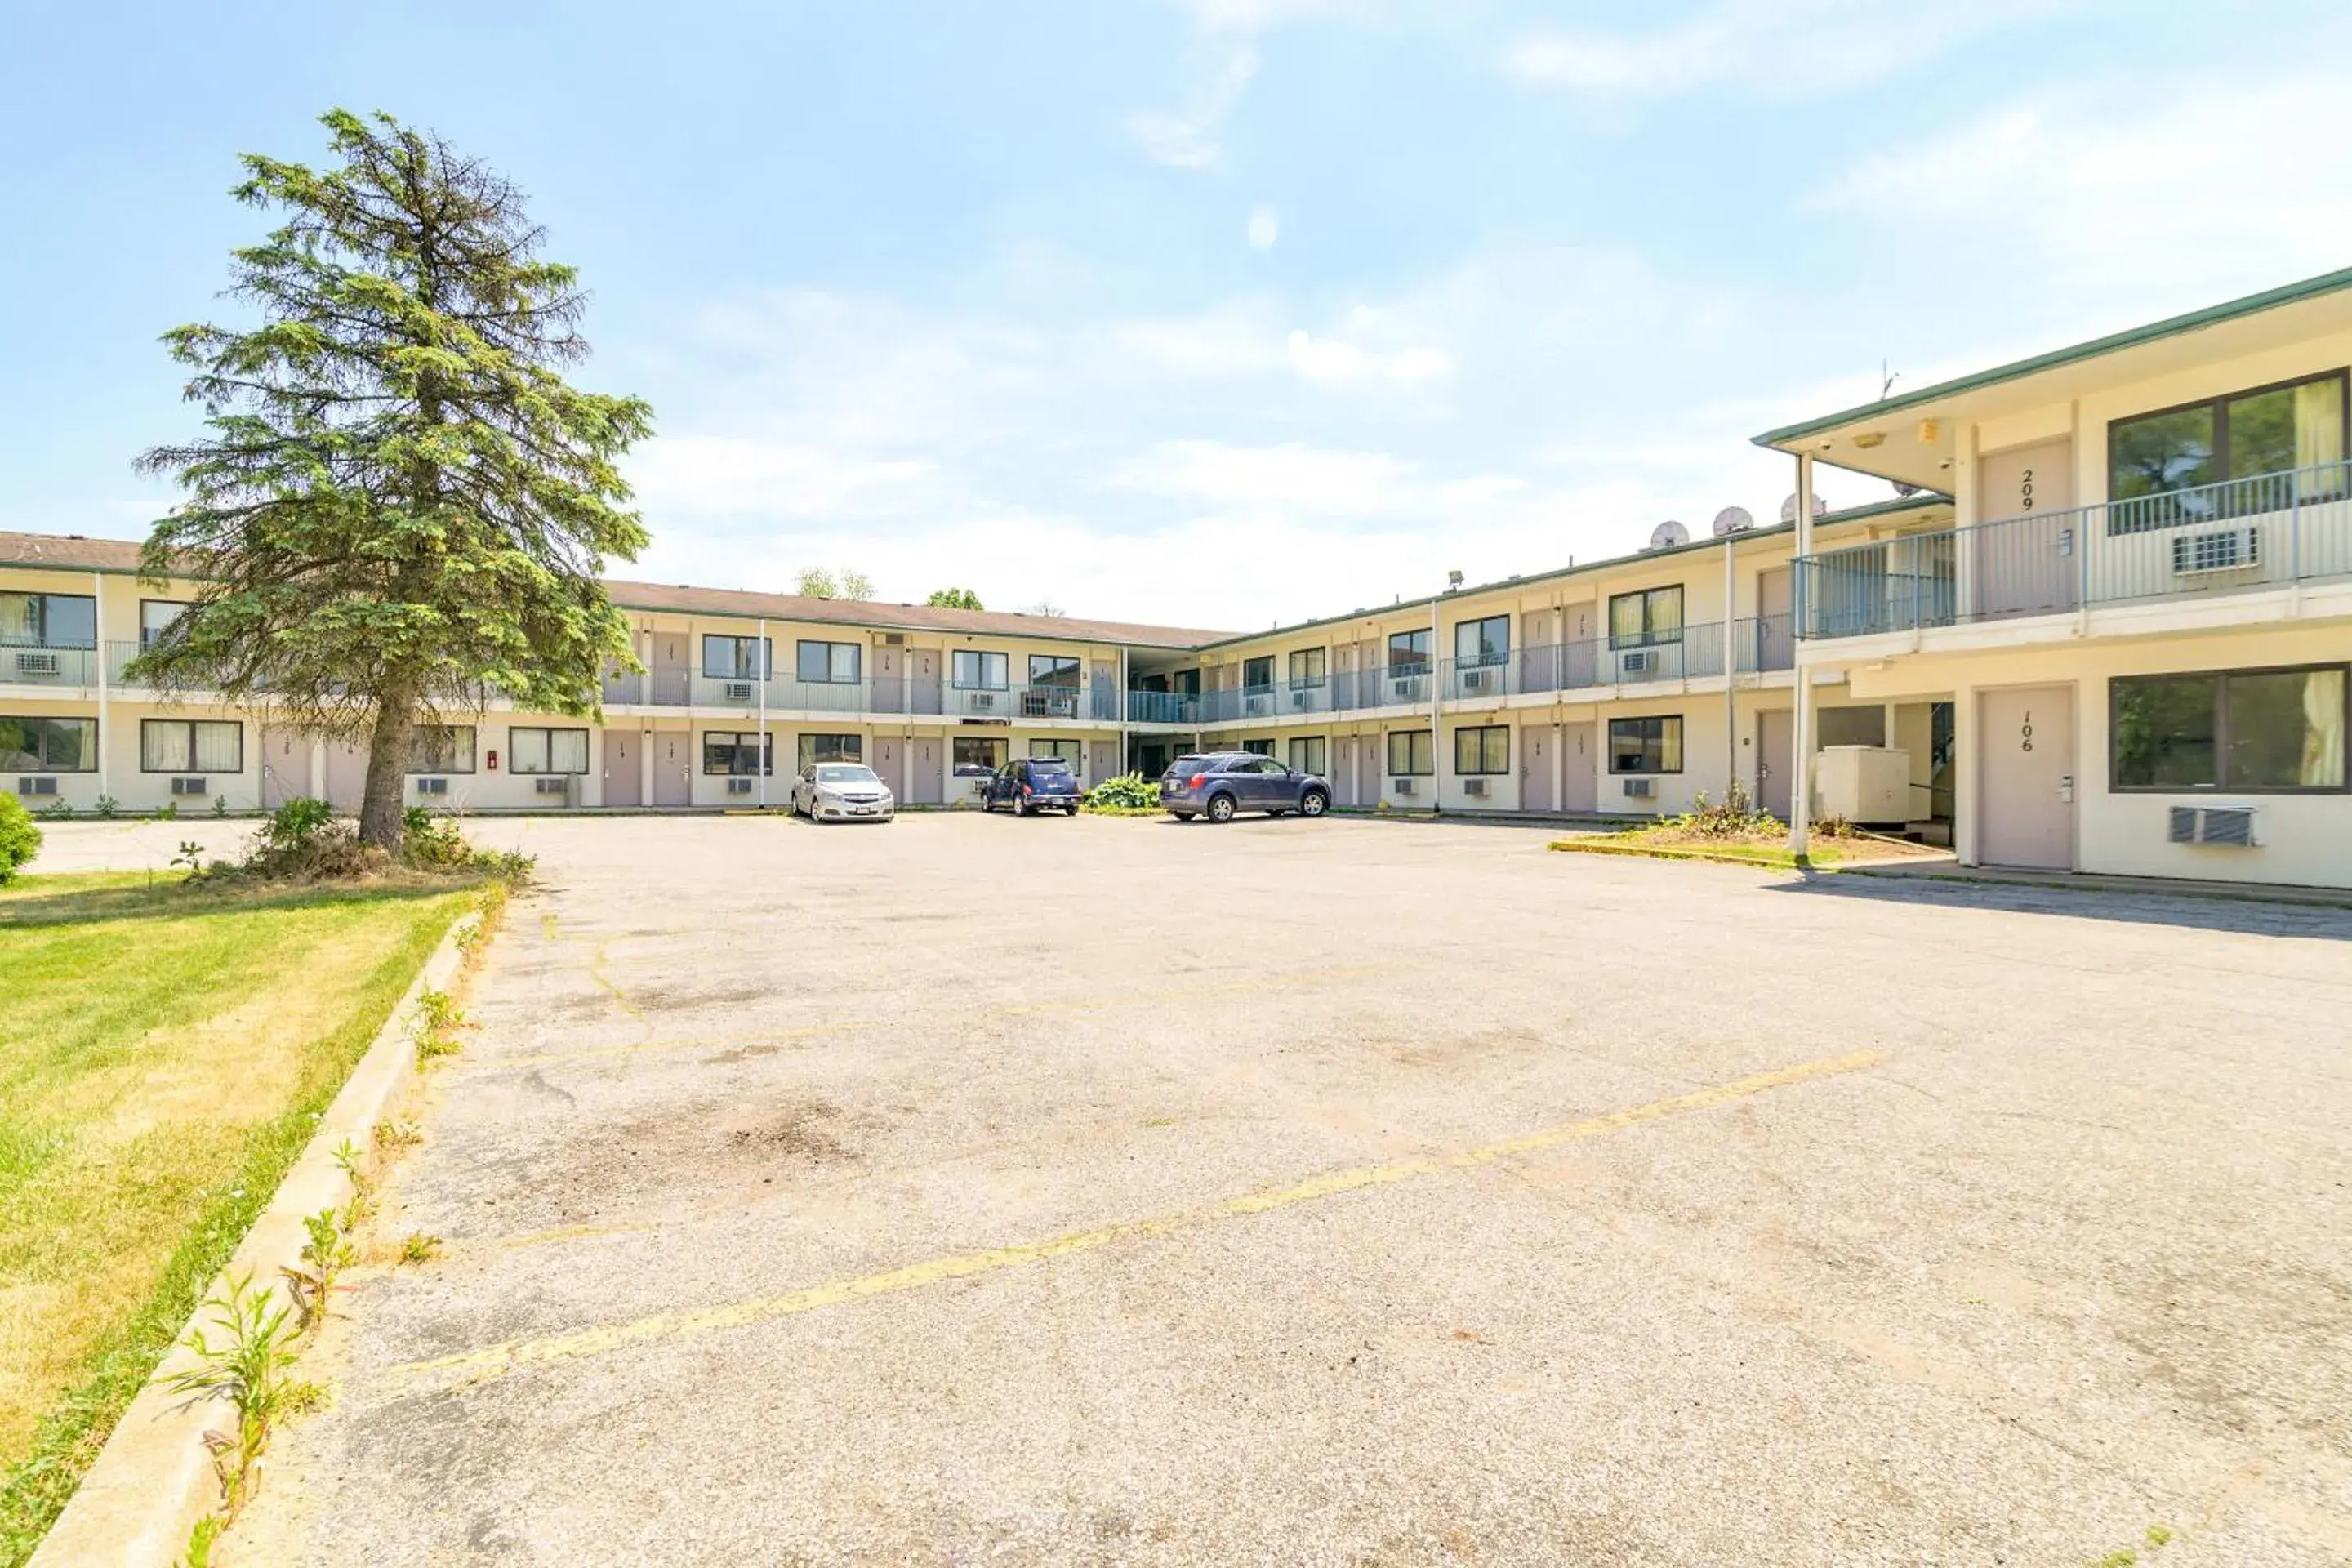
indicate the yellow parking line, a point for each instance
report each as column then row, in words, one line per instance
column 496, row 1361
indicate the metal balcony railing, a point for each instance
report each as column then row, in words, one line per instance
column 35, row 664
column 2264, row 531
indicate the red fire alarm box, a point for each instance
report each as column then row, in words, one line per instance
column 494, row 761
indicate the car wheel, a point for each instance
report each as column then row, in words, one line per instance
column 1314, row 803
column 1221, row 808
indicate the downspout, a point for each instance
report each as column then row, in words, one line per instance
column 1800, row 786
column 1730, row 662
column 98, row 636
column 1436, row 709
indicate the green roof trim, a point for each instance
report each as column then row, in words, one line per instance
column 2172, row 326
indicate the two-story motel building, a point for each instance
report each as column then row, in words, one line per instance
column 2109, row 631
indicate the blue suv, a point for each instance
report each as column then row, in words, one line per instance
column 1033, row 783
column 1222, row 782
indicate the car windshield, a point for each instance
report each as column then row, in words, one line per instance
column 1048, row 765
column 846, row 773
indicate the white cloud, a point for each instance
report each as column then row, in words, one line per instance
column 1228, row 340
column 1264, row 226
column 700, row 477
column 1255, row 15
column 2178, row 186
column 1786, row 48
column 1187, row 139
column 1329, row 359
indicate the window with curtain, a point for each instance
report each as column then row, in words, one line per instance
column 815, row 749
column 157, row 617
column 976, row 756
column 1481, row 642
column 1412, row 752
column 2273, row 430
column 191, row 746
column 442, row 749
column 1651, row 615
column 739, row 753
column 1482, row 750
column 1646, row 745
column 29, row 745
column 1060, row 750
column 2268, row 730
column 48, row 620
column 1307, row 667
column 734, row 658
column 1306, row 754
column 974, row 670
column 534, row 750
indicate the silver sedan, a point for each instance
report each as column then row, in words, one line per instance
column 842, row 792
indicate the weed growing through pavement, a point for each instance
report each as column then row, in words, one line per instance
column 360, row 1206
column 311, row 1281
column 393, row 1134
column 201, row 1537
column 438, row 1020
column 419, row 1247
column 245, row 1362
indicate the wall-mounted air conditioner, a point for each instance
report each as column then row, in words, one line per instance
column 1300, row 700
column 433, row 786
column 189, row 786
column 553, row 786
column 1639, row 661
column 983, row 701
column 39, row 665
column 740, row 690
column 36, row 784
column 1476, row 788
column 1401, row 688
column 1401, row 786
column 2217, row 550
column 2228, row 826
column 741, row 786
column 1641, row 789
column 1477, row 679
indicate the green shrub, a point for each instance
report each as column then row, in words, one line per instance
column 20, row 839
column 293, row 825
column 1736, row 817
column 1130, row 790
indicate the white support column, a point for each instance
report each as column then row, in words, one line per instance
column 766, row 662
column 98, row 636
column 1800, row 786
column 1730, row 663
column 1558, row 760
column 1436, row 709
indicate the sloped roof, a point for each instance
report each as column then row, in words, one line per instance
column 76, row 552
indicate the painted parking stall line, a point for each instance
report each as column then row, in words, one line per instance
column 472, row 1368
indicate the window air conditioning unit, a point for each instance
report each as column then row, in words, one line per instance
column 1401, row 688
column 1476, row 679
column 1639, row 661
column 42, row 665
column 2232, row 825
column 2223, row 549
column 1301, row 697
column 36, row 785
column 553, row 786
column 1403, row 786
column 740, row 786
column 1474, row 787
column 189, row 786
column 740, row 690
column 983, row 701
column 433, row 786
column 1641, row 789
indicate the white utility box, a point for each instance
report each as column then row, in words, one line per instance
column 1862, row 784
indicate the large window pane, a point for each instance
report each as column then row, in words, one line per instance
column 2262, row 432
column 49, row 745
column 974, row 670
column 1410, row 752
column 2167, row 733
column 165, row 746
column 220, row 747
column 1486, row 641
column 567, row 751
column 156, row 619
column 1409, row 651
column 1646, row 745
column 1258, row 674
column 2162, row 452
column 2286, row 729
column 442, row 749
column 1053, row 669
column 48, row 620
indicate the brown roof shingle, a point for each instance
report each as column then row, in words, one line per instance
column 73, row 551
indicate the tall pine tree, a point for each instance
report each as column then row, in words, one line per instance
column 400, row 508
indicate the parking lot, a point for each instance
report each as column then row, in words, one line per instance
column 974, row 1190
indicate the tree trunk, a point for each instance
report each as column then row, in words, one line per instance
column 383, row 817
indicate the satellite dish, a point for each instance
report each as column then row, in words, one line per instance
column 1788, row 507
column 1732, row 520
column 1668, row 534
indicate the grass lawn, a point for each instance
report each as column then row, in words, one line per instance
column 1669, row 843
column 164, row 1051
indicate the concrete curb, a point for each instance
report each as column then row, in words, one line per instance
column 154, row 1477
column 1672, row 852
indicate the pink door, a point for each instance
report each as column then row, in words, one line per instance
column 889, row 760
column 925, row 781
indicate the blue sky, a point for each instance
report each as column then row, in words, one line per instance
column 1218, row 312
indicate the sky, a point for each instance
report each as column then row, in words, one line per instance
column 1212, row 312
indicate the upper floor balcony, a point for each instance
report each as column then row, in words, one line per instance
column 1688, row 653
column 2204, row 542
column 873, row 696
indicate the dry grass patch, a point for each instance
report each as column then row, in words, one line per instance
column 165, row 1052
